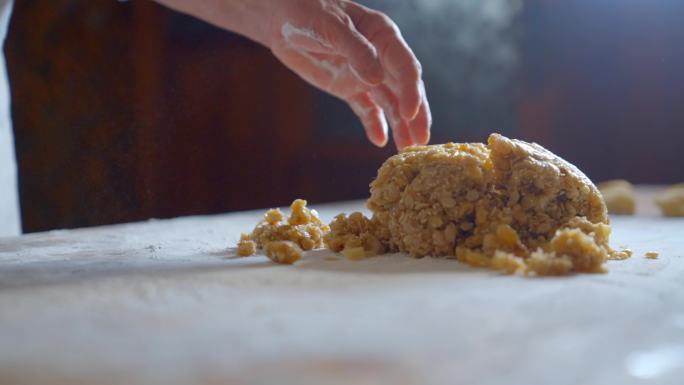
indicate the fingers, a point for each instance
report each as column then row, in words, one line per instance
column 403, row 69
column 400, row 127
column 404, row 77
column 359, row 55
column 371, row 117
column 363, row 59
column 419, row 127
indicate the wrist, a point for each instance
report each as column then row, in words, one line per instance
column 250, row 18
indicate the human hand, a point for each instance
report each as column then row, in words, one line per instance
column 358, row 55
column 341, row 47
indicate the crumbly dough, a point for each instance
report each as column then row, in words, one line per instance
column 651, row 255
column 285, row 252
column 671, row 201
column 618, row 195
column 303, row 228
column 246, row 246
column 349, row 234
column 508, row 205
column 622, row 254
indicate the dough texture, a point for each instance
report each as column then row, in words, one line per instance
column 508, row 205
column 284, row 240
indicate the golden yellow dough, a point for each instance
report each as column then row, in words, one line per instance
column 246, row 246
column 671, row 201
column 508, row 205
column 651, row 255
column 285, row 252
column 303, row 229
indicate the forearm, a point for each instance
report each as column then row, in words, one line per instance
column 250, row 18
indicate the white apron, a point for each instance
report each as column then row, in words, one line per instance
column 9, row 198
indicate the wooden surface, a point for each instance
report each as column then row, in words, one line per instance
column 164, row 302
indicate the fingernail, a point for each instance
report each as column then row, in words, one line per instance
column 422, row 98
column 412, row 113
column 423, row 138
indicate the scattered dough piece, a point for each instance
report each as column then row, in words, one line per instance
column 246, row 246
column 273, row 216
column 357, row 232
column 285, row 252
column 507, row 262
column 652, row 255
column 622, row 254
column 671, row 201
column 303, row 228
column 618, row 195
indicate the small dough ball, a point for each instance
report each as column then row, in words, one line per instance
column 303, row 227
column 246, row 246
column 671, row 201
column 618, row 195
column 285, row 252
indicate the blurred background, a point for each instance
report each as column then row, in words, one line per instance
column 125, row 110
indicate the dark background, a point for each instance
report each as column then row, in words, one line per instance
column 125, row 110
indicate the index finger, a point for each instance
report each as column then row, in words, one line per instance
column 395, row 56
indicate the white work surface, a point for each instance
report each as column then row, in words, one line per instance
column 166, row 302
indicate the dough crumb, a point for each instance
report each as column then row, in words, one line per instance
column 651, row 255
column 618, row 195
column 284, row 252
column 671, row 201
column 508, row 263
column 621, row 255
column 246, row 246
column 357, row 232
column 273, row 216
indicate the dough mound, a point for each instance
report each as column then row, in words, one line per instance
column 509, row 205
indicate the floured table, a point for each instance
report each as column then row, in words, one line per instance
column 165, row 302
